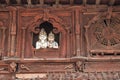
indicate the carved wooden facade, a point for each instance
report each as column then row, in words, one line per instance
column 88, row 38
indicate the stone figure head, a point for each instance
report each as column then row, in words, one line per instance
column 42, row 34
column 51, row 37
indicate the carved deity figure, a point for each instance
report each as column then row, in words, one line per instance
column 13, row 67
column 42, row 42
column 51, row 41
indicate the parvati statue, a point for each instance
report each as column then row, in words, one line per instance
column 51, row 41
column 42, row 42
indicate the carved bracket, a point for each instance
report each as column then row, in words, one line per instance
column 13, row 67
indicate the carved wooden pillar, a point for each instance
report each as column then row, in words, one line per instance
column 63, row 50
column 68, row 42
column 73, row 36
column 9, row 38
column 77, row 31
column 0, row 40
column 13, row 33
column 82, row 53
column 3, row 40
column 23, row 41
column 87, row 40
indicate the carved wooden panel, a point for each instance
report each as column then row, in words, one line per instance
column 4, row 32
column 102, row 35
column 101, row 66
column 77, row 30
column 45, row 67
column 72, row 76
column 29, row 21
column 4, row 68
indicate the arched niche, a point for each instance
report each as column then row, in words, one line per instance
column 48, row 27
column 60, row 36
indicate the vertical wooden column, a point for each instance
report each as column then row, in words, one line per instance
column 77, row 31
column 13, row 33
column 9, row 36
column 23, row 42
column 82, row 53
column 0, row 40
column 64, row 49
column 73, row 35
column 68, row 42
column 3, row 40
column 87, row 40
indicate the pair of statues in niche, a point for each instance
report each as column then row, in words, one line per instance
column 46, row 41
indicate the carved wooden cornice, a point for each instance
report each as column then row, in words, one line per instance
column 59, row 2
column 76, row 76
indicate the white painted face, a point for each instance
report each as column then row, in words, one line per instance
column 42, row 37
column 51, row 39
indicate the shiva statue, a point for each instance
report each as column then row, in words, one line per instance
column 42, row 42
column 51, row 41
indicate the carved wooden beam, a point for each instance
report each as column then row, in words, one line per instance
column 18, row 1
column 97, row 2
column 8, row 2
column 84, row 2
column 77, row 30
column 111, row 2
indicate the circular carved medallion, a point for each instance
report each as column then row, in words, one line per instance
column 107, row 31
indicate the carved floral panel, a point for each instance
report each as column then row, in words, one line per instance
column 103, row 35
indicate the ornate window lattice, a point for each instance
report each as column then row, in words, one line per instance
column 107, row 31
